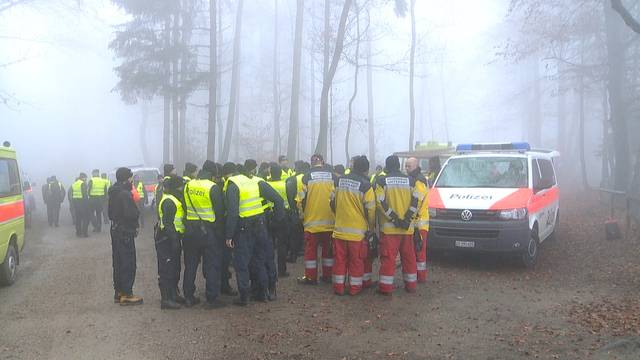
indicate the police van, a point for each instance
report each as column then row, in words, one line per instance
column 495, row 198
column 11, row 215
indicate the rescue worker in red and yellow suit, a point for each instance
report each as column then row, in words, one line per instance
column 355, row 207
column 318, row 186
column 397, row 201
column 421, row 220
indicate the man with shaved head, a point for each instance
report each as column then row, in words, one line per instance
column 421, row 221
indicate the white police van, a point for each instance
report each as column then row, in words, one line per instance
column 495, row 198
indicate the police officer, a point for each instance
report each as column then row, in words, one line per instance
column 123, row 214
column 53, row 194
column 97, row 192
column 80, row 203
column 168, row 235
column 245, row 229
column 190, row 171
column 296, row 234
column 203, row 238
column 279, row 231
column 142, row 192
column 224, row 172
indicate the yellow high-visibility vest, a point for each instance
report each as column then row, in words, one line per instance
column 178, row 219
column 250, row 203
column 97, row 186
column 281, row 188
column 76, row 189
column 197, row 200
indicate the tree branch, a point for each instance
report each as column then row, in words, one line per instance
column 626, row 15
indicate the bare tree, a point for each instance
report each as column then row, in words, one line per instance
column 628, row 19
column 295, row 83
column 355, row 81
column 412, row 107
column 213, row 80
column 276, row 90
column 321, row 146
column 233, row 98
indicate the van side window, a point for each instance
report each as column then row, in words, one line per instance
column 535, row 169
column 547, row 173
column 9, row 178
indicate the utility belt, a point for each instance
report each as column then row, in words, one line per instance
column 198, row 228
column 246, row 224
column 160, row 236
column 120, row 229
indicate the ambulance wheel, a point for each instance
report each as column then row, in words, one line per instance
column 9, row 267
column 530, row 253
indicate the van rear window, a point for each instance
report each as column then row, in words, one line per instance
column 9, row 178
column 485, row 172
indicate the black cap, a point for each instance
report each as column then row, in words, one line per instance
column 250, row 165
column 190, row 168
column 392, row 163
column 276, row 171
column 228, row 168
column 168, row 168
column 210, row 167
column 361, row 164
column 123, row 174
column 82, row 176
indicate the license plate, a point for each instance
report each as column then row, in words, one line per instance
column 465, row 244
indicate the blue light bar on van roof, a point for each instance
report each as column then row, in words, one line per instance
column 514, row 146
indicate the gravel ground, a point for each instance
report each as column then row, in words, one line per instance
column 581, row 297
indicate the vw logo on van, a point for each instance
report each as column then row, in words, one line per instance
column 466, row 215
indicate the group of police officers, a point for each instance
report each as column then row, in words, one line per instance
column 258, row 220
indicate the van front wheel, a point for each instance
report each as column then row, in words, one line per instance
column 9, row 267
column 530, row 253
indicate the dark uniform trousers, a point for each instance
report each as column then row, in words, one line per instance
column 81, row 210
column 97, row 205
column 249, row 257
column 53, row 213
column 202, row 243
column 168, row 251
column 296, row 235
column 280, row 234
column 123, row 249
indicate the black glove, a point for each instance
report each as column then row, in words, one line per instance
column 417, row 240
column 372, row 241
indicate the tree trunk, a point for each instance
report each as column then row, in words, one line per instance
column 535, row 122
column 321, row 146
column 184, row 92
column 295, row 83
column 234, row 84
column 412, row 107
column 166, row 128
column 213, row 80
column 276, row 92
column 219, row 84
column 562, row 113
column 312, row 101
column 370, row 116
column 355, row 81
column 616, row 71
column 174, row 97
column 445, row 115
column 143, row 133
column 583, row 162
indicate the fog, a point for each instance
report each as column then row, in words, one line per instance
column 483, row 73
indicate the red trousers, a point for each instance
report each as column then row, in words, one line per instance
column 421, row 258
column 349, row 256
column 389, row 247
column 311, row 242
column 367, row 279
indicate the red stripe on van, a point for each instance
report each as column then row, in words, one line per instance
column 542, row 200
column 518, row 199
column 150, row 188
column 435, row 201
column 11, row 211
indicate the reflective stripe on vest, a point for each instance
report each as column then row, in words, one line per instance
column 178, row 222
column 76, row 189
column 250, row 202
column 198, row 200
column 97, row 186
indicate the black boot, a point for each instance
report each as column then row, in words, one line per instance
column 168, row 301
column 179, row 299
column 242, row 300
column 273, row 294
column 191, row 301
column 226, row 289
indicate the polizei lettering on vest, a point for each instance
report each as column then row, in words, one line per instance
column 470, row 197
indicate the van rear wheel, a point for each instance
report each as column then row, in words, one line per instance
column 530, row 254
column 9, row 267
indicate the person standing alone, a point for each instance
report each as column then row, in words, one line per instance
column 123, row 214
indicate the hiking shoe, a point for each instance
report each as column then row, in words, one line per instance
column 126, row 300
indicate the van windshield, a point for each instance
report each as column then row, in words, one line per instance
column 481, row 172
column 147, row 177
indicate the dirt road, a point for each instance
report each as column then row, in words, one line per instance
column 581, row 296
